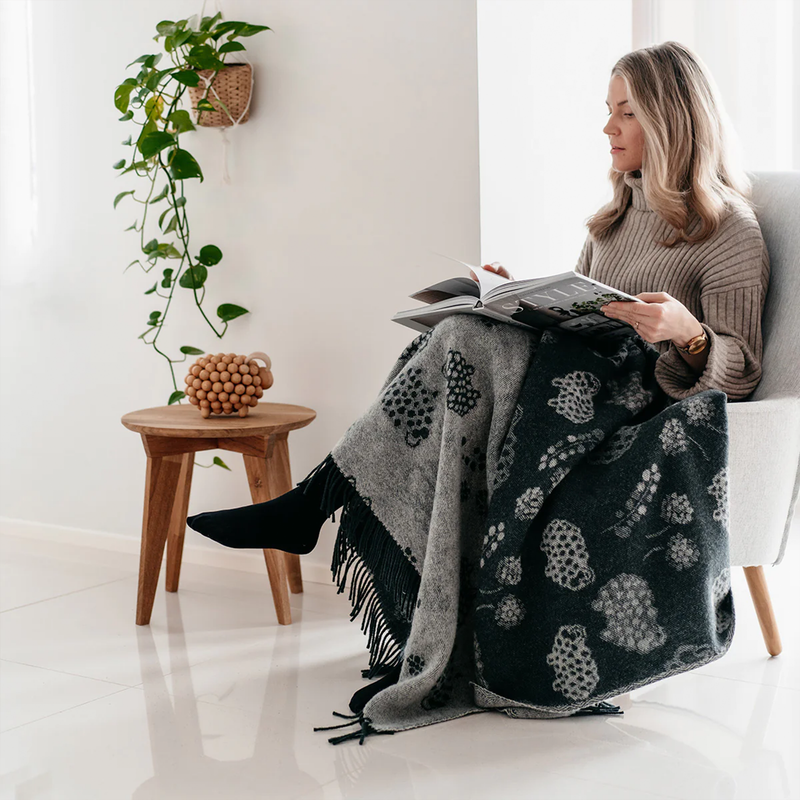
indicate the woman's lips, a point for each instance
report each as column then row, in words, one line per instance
column 617, row 149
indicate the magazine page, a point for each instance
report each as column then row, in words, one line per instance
column 425, row 317
column 569, row 300
column 487, row 279
column 452, row 287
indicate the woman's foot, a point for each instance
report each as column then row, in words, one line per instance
column 363, row 696
column 291, row 522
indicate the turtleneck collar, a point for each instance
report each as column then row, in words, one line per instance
column 634, row 180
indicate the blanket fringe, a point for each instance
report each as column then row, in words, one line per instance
column 603, row 707
column 367, row 552
column 365, row 729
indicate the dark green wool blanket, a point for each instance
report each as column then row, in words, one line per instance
column 529, row 524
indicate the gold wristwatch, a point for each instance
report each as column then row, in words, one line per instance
column 695, row 345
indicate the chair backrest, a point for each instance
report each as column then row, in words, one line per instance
column 777, row 199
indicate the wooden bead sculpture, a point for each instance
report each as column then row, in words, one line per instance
column 228, row 384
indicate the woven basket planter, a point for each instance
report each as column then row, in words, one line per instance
column 232, row 84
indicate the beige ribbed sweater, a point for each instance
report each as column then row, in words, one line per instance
column 722, row 281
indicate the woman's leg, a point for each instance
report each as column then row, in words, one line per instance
column 293, row 521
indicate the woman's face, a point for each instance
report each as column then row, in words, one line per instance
column 623, row 129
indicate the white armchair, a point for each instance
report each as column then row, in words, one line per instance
column 764, row 446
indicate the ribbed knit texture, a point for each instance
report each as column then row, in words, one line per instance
column 722, row 281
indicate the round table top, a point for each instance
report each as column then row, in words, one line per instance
column 185, row 421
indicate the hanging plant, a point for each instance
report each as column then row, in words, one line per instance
column 154, row 96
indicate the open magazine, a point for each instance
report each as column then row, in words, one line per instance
column 568, row 300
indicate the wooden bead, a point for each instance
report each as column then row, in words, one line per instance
column 239, row 360
column 216, row 404
column 205, row 404
column 190, row 390
column 247, row 379
column 188, row 379
column 243, row 411
column 224, row 376
column 254, row 368
column 228, row 386
column 214, row 376
column 245, row 399
column 259, row 392
column 206, row 412
column 249, row 390
column 194, row 401
column 257, row 380
column 233, row 368
column 200, row 395
column 268, row 381
column 240, row 389
column 219, row 356
column 197, row 383
column 236, row 378
column 203, row 374
column 212, row 396
column 195, row 370
column 253, row 401
column 223, row 397
column 217, row 387
column 206, row 386
column 227, row 359
column 227, row 407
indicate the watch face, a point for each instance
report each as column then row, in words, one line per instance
column 698, row 347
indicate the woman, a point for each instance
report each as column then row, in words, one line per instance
column 680, row 235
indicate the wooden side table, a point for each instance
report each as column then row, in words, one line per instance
column 171, row 435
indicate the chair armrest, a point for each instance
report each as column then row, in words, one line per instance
column 764, row 473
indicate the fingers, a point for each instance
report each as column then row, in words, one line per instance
column 653, row 297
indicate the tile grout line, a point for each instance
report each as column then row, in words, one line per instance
column 71, row 708
column 66, row 594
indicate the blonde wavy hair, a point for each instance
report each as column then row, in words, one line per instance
column 691, row 166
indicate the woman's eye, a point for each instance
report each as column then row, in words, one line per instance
column 627, row 115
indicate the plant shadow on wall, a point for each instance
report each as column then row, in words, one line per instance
column 197, row 56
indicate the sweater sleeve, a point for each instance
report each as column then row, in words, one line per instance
column 733, row 292
column 585, row 258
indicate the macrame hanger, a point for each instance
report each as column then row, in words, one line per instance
column 226, row 178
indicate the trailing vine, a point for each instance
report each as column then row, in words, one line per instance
column 157, row 151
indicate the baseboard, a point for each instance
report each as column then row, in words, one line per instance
column 224, row 558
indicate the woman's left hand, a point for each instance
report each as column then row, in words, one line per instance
column 660, row 317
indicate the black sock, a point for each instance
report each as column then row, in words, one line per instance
column 291, row 522
column 363, row 696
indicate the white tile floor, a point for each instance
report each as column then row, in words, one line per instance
column 214, row 700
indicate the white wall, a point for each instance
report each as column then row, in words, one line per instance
column 359, row 159
column 543, row 72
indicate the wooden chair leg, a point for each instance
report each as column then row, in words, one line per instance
column 177, row 527
column 757, row 583
column 280, row 482
column 293, row 572
column 161, row 483
column 258, row 476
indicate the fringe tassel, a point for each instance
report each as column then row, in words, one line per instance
column 603, row 707
column 365, row 550
column 366, row 729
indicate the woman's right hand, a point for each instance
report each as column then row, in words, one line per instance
column 494, row 267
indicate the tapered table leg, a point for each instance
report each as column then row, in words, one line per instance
column 258, row 476
column 280, row 482
column 161, row 483
column 177, row 526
